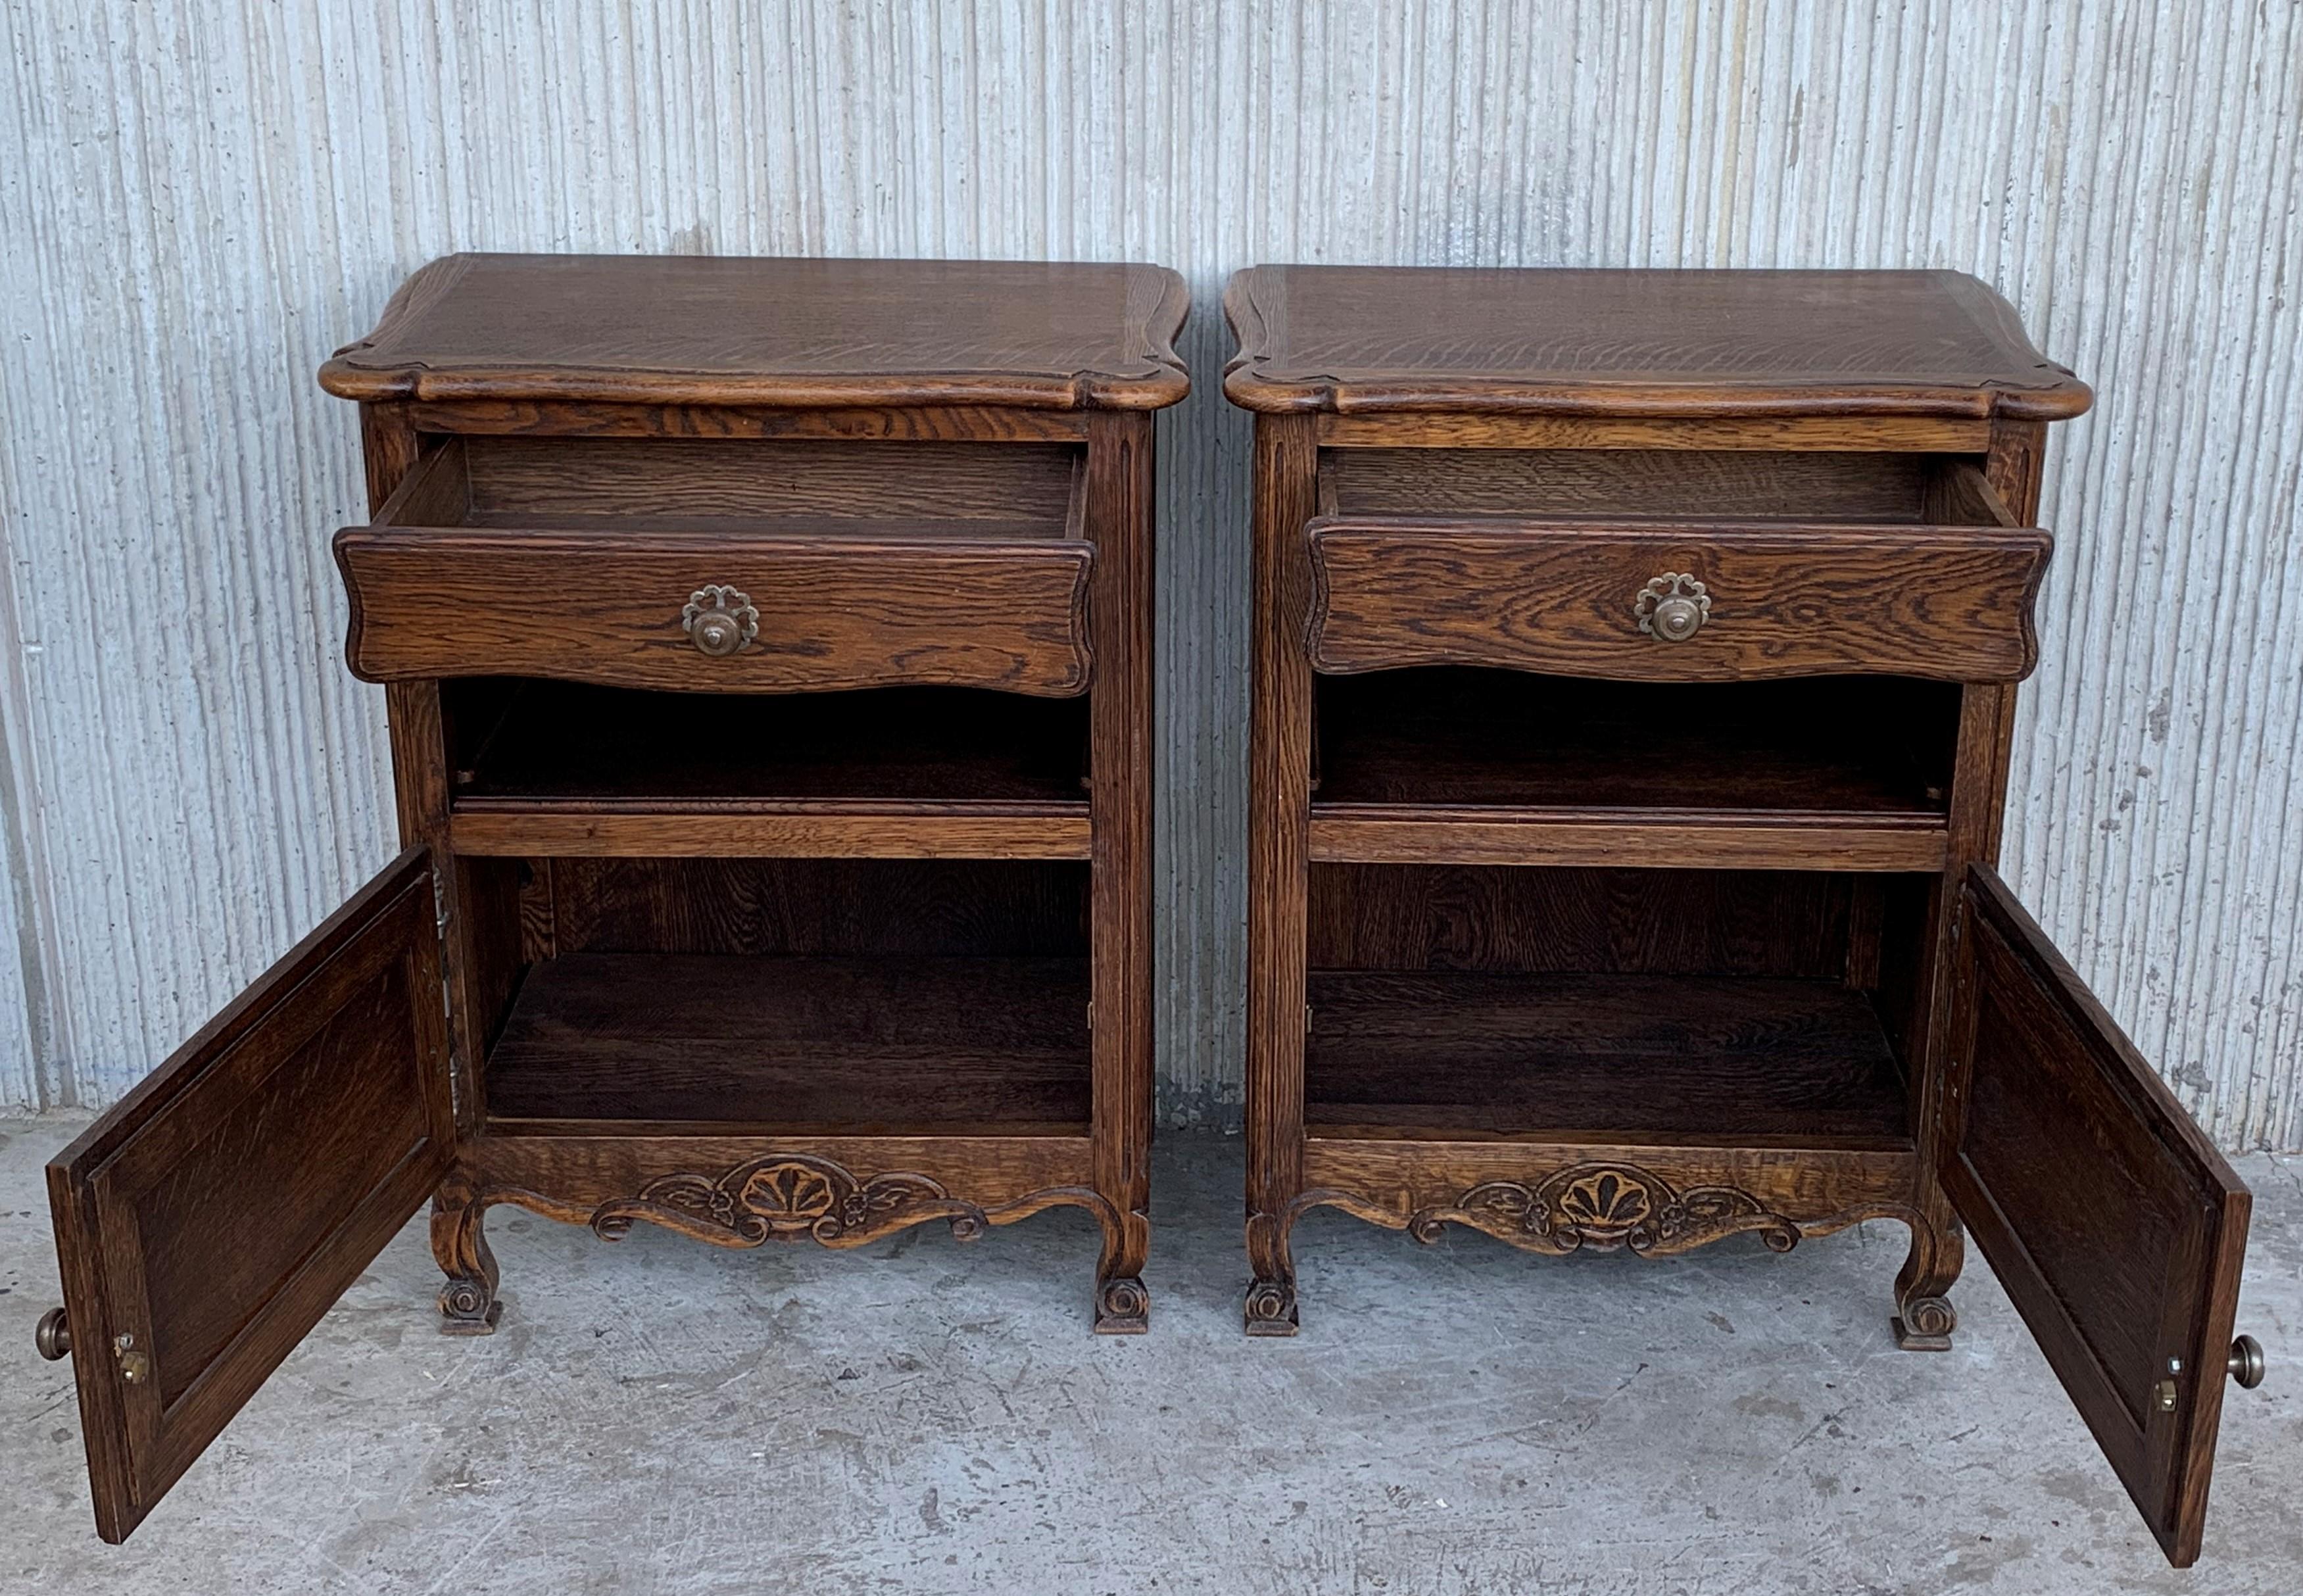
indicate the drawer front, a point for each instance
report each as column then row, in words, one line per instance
column 717, row 612
column 1674, row 604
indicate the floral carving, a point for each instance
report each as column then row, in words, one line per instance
column 1601, row 1207
column 789, row 1196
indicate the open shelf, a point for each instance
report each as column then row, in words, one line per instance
column 1622, row 1058
column 885, row 1045
column 546, row 768
column 1828, row 772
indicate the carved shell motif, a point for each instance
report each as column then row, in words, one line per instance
column 789, row 1196
column 1601, row 1207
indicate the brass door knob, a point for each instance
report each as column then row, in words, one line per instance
column 2246, row 1363
column 53, row 1336
column 719, row 621
column 1673, row 606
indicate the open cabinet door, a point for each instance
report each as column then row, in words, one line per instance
column 206, row 1223
column 2115, row 1226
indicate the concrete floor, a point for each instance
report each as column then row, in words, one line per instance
column 661, row 1416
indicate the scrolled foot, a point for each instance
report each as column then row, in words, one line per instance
column 459, row 1245
column 1122, row 1307
column 469, row 1307
column 1270, row 1308
column 1925, row 1324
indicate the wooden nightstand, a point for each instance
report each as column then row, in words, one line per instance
column 767, row 651
column 1635, row 663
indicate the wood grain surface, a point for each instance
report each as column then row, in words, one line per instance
column 831, row 613
column 1380, row 339
column 2116, row 1227
column 701, row 330
column 1943, row 603
column 881, row 1045
column 207, row 1223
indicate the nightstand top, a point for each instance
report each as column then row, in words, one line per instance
column 1365, row 339
column 702, row 330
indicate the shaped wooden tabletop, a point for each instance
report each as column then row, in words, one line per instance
column 696, row 330
column 1365, row 339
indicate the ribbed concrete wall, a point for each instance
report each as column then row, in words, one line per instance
column 198, row 199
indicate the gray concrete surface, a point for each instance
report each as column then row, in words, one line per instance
column 660, row 1416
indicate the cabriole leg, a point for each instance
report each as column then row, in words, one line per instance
column 468, row 1301
column 1122, row 1306
column 1270, row 1305
column 1924, row 1317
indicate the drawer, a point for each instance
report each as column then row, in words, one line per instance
column 1674, row 601
column 449, row 583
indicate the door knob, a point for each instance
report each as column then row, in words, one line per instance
column 53, row 1336
column 2246, row 1363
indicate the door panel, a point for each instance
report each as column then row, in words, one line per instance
column 2115, row 1226
column 208, row 1220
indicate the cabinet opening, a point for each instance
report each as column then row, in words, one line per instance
column 515, row 743
column 825, row 996
column 1613, row 1005
column 1698, row 483
column 1462, row 736
column 806, row 487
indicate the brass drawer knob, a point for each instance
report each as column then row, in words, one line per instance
column 53, row 1337
column 2246, row 1363
column 719, row 621
column 1671, row 607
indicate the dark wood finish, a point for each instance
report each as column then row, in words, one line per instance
column 739, row 954
column 1499, row 767
column 1479, row 888
column 1505, row 739
column 813, row 334
column 1580, row 1056
column 935, row 470
column 1279, row 858
column 828, row 830
column 1783, row 925
column 593, row 419
column 805, row 486
column 1367, row 340
column 1937, row 602
column 1898, row 434
column 1730, row 485
column 2113, row 1223
column 814, row 1046
column 831, row 613
column 818, row 907
column 1749, row 840
column 207, row 1223
column 554, row 743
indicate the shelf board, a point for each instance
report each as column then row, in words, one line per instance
column 1599, row 1059
column 857, row 828
column 885, row 1046
column 1658, row 838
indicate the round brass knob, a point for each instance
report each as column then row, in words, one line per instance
column 53, row 1335
column 1673, row 606
column 2246, row 1364
column 719, row 621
